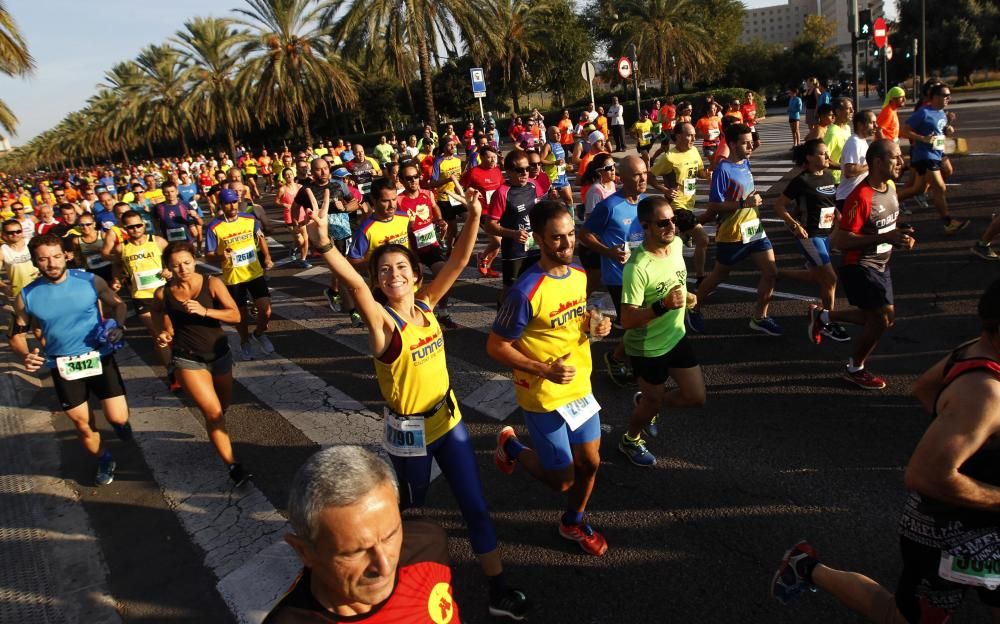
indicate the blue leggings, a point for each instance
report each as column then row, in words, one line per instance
column 453, row 452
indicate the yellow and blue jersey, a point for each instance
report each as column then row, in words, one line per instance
column 239, row 236
column 373, row 233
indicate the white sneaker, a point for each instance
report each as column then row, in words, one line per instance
column 247, row 350
column 264, row 343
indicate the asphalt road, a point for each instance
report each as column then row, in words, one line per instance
column 783, row 449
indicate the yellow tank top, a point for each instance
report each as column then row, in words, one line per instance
column 416, row 377
column 143, row 264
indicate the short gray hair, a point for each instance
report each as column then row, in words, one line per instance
column 338, row 476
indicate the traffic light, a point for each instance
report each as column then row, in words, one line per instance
column 865, row 24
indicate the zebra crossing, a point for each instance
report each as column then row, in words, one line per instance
column 320, row 384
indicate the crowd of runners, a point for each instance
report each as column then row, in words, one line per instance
column 564, row 213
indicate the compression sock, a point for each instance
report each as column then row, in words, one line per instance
column 106, row 457
column 123, row 431
column 572, row 518
column 824, row 317
column 513, row 447
column 498, row 587
column 804, row 567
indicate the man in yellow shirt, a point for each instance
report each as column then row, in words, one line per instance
column 642, row 130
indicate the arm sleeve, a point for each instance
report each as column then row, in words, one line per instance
column 513, row 316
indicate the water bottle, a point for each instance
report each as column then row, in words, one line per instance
column 596, row 318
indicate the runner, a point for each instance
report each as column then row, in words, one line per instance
column 811, row 197
column 709, row 127
column 16, row 266
column 749, row 111
column 266, row 171
column 553, row 156
column 654, row 297
column 927, row 128
column 982, row 248
column 177, row 220
column 79, row 344
column 408, row 351
column 541, row 333
column 824, row 119
column 950, row 528
column 838, row 133
column 867, row 234
column 597, row 184
column 27, row 221
column 642, row 131
column 236, row 242
column 887, row 124
column 345, row 499
column 733, row 202
column 794, row 114
column 566, row 135
column 87, row 249
column 188, row 314
column 285, row 198
column 447, row 170
column 249, row 169
column 507, row 219
column 486, row 178
column 680, row 168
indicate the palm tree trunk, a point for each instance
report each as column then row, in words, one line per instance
column 149, row 148
column 184, row 144
column 306, row 132
column 409, row 97
column 423, row 54
column 232, row 143
column 124, row 156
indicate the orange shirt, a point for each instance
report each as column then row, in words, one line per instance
column 710, row 128
column 566, row 132
column 602, row 124
column 888, row 122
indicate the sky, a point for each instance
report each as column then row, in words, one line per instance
column 75, row 42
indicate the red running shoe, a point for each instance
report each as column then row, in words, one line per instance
column 504, row 462
column 864, row 379
column 815, row 324
column 590, row 541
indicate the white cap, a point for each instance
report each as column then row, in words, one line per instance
column 595, row 136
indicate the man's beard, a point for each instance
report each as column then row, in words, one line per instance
column 57, row 277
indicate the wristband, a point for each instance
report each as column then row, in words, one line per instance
column 325, row 248
column 658, row 308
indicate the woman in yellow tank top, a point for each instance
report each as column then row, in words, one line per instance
column 422, row 419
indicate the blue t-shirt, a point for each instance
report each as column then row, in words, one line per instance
column 824, row 98
column 67, row 313
column 795, row 108
column 927, row 121
column 611, row 221
column 105, row 219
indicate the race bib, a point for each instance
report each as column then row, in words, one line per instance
column 404, row 437
column 883, row 248
column 73, row 367
column 365, row 187
column 177, row 234
column 489, row 196
column 560, row 170
column 751, row 231
column 647, row 137
column 149, row 279
column 689, row 187
column 425, row 236
column 95, row 261
column 969, row 572
column 454, row 202
column 244, row 256
column 938, row 142
column 579, row 411
column 826, row 216
column 713, row 134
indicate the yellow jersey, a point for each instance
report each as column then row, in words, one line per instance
column 143, row 264
column 413, row 375
column 685, row 166
column 373, row 233
column 239, row 237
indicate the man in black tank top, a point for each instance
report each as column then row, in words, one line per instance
column 950, row 525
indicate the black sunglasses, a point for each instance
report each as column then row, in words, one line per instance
column 135, row 226
column 519, row 169
column 412, row 178
column 608, row 167
column 664, row 222
column 534, row 165
column 12, row 232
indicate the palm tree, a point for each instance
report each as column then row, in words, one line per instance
column 208, row 46
column 669, row 35
column 113, row 126
column 420, row 25
column 291, row 66
column 163, row 92
column 15, row 60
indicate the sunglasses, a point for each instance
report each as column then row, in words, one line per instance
column 520, row 169
column 82, row 224
column 608, row 168
column 12, row 232
column 662, row 223
column 135, row 226
column 534, row 165
column 412, row 178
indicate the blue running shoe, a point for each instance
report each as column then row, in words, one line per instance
column 106, row 469
column 636, row 452
column 766, row 325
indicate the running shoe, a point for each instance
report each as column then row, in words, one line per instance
column 617, row 370
column 264, row 343
column 172, row 383
column 766, row 325
column 590, row 541
column 238, row 475
column 652, row 429
column 790, row 581
column 505, row 463
column 105, row 470
column 445, row 320
column 836, row 332
column 246, row 349
column 636, row 451
column 864, row 379
column 356, row 320
column 482, row 264
column 124, row 431
column 695, row 321
column 332, row 299
column 955, row 226
column 513, row 605
column 816, row 325
column 491, row 273
column 921, row 200
column 984, row 251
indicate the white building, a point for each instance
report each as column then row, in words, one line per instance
column 4, row 145
column 782, row 23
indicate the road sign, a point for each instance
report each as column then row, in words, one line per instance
column 588, row 71
column 888, row 52
column 624, row 67
column 864, row 24
column 478, row 82
column 879, row 33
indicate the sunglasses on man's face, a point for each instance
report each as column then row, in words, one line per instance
column 411, row 178
column 662, row 223
column 12, row 232
column 135, row 226
column 519, row 169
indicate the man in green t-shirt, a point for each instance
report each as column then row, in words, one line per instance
column 654, row 295
column 384, row 151
column 838, row 132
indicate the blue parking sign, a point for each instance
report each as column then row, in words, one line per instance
column 478, row 82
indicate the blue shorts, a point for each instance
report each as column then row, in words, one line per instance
column 552, row 439
column 816, row 250
column 560, row 182
column 733, row 253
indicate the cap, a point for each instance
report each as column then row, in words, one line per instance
column 229, row 196
column 892, row 94
column 340, row 172
column 595, row 136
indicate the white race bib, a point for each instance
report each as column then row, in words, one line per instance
column 690, row 185
column 404, row 437
column 713, row 134
column 751, row 231
column 453, row 202
column 244, row 256
column 647, row 137
column 976, row 573
column 73, row 367
column 149, row 279
column 95, row 261
column 425, row 236
column 579, row 411
column 826, row 217
column 365, row 188
column 560, row 170
column 177, row 234
column 489, row 196
column 938, row 142
column 882, row 248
